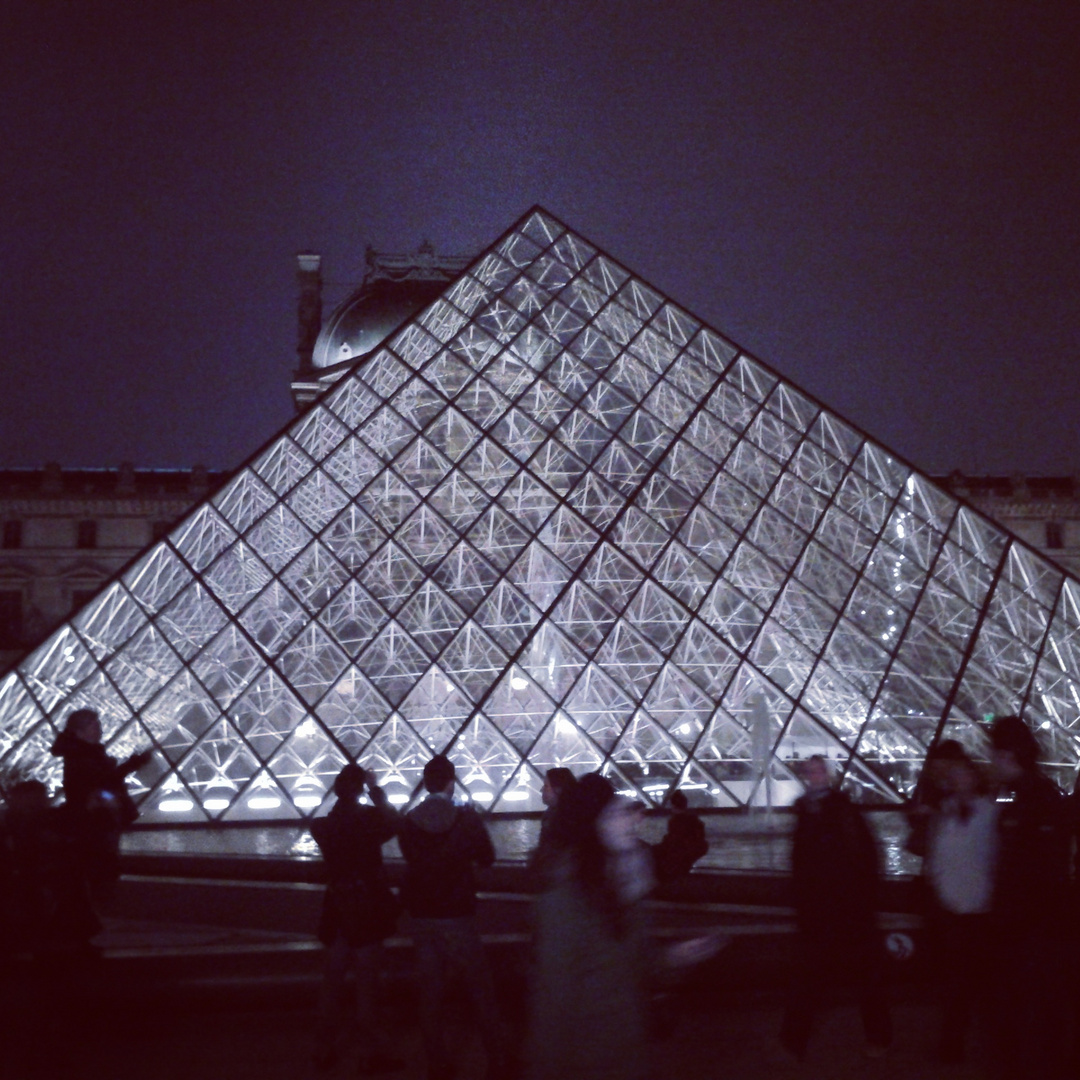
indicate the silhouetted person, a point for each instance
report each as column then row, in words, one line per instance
column 683, row 843
column 835, row 880
column 959, row 866
column 557, row 782
column 1030, row 905
column 442, row 845
column 96, row 799
column 359, row 912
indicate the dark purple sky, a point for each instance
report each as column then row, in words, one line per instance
column 883, row 205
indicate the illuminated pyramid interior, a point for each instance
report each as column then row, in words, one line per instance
column 555, row 520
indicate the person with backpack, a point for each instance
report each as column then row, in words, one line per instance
column 99, row 807
column 443, row 844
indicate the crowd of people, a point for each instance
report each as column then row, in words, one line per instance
column 996, row 840
column 593, row 965
column 996, row 844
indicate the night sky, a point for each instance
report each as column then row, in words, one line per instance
column 879, row 200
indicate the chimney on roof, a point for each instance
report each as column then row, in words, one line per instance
column 309, row 307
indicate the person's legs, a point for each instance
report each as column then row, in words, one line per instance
column 803, row 992
column 466, row 952
column 372, row 1045
column 963, row 950
column 367, row 974
column 873, row 998
column 428, row 938
column 335, row 967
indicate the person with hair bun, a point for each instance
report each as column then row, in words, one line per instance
column 359, row 913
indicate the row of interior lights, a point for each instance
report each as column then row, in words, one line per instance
column 397, row 798
column 309, row 802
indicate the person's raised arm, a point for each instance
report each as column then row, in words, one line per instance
column 389, row 819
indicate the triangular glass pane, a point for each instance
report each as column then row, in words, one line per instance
column 649, row 758
column 519, row 708
column 266, row 713
column 306, row 765
column 353, row 710
column 156, row 578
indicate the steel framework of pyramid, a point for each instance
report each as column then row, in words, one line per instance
column 555, row 520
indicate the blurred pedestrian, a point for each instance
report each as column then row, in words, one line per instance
column 589, row 1007
column 359, row 913
column 1030, row 906
column 683, row 844
column 557, row 782
column 835, row 877
column 443, row 844
column 960, row 865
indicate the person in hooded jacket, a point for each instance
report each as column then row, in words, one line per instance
column 443, row 844
column 359, row 913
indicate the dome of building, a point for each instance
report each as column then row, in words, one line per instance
column 395, row 287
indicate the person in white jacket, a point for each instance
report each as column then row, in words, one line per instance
column 961, row 858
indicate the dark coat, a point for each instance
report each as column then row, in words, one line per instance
column 1033, row 858
column 442, row 845
column 358, row 902
column 589, row 1003
column 834, row 866
column 683, row 844
column 92, row 778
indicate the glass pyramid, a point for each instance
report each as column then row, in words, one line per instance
column 555, row 520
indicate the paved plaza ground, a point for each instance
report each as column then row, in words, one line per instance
column 230, row 1008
